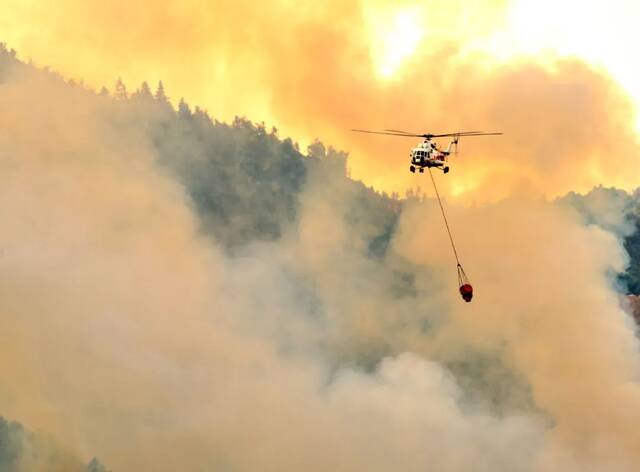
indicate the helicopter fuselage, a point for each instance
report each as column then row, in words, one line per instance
column 427, row 155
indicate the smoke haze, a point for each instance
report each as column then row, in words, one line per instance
column 130, row 335
column 315, row 70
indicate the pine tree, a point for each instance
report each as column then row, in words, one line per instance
column 161, row 96
column 95, row 466
column 145, row 90
column 316, row 150
column 143, row 93
column 120, row 91
column 183, row 109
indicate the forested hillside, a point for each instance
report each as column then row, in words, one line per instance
column 300, row 260
column 618, row 212
column 245, row 182
column 23, row 450
column 245, row 179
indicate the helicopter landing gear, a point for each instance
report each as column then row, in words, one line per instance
column 445, row 170
column 422, row 170
column 412, row 169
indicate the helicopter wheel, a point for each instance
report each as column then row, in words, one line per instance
column 412, row 169
column 421, row 170
column 445, row 170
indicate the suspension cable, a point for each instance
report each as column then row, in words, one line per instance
column 446, row 223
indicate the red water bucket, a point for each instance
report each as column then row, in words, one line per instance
column 466, row 291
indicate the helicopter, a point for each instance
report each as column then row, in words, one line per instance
column 427, row 154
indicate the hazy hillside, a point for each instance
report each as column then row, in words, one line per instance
column 245, row 182
column 22, row 450
column 619, row 213
column 245, row 179
column 182, row 285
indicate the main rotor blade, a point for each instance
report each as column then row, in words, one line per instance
column 484, row 134
column 465, row 133
column 460, row 133
column 389, row 134
column 395, row 132
column 399, row 131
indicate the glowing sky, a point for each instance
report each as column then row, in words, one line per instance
column 129, row 335
column 319, row 69
column 601, row 33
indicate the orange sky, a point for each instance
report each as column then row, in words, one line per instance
column 319, row 69
column 128, row 335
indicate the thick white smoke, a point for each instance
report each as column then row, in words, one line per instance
column 129, row 336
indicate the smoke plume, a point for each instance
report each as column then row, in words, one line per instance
column 129, row 335
column 313, row 70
